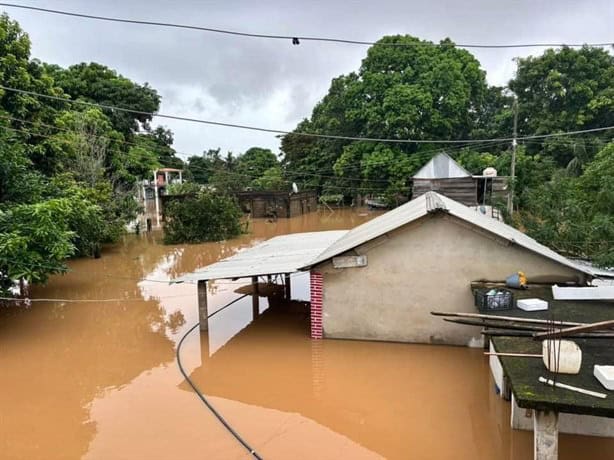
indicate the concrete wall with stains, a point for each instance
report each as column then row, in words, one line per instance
column 426, row 265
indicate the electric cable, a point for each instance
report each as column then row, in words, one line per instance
column 294, row 39
column 200, row 394
column 285, row 171
column 303, row 134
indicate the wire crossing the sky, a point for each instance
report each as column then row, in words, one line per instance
column 294, row 39
column 304, row 134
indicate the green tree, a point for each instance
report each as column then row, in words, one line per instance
column 160, row 141
column 34, row 241
column 271, row 179
column 19, row 183
column 205, row 217
column 202, row 168
column 418, row 91
column 87, row 145
column 255, row 161
column 576, row 214
column 565, row 90
column 97, row 83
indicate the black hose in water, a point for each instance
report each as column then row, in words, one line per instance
column 202, row 397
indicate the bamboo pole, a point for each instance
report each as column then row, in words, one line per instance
column 508, row 318
column 501, row 332
column 519, row 355
column 506, row 325
column 571, row 330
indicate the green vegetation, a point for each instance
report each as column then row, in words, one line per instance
column 563, row 186
column 399, row 92
column 204, row 217
column 576, row 214
column 68, row 171
column 183, row 188
column 256, row 169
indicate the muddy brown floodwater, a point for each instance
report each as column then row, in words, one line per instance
column 98, row 380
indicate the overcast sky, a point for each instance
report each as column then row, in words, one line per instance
column 271, row 83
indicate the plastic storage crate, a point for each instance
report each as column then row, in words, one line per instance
column 493, row 299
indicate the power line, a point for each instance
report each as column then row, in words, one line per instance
column 234, row 173
column 294, row 39
column 298, row 173
column 134, row 144
column 303, row 134
column 284, row 171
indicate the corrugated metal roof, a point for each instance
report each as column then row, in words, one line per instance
column 441, row 166
column 282, row 254
column 431, row 202
column 289, row 253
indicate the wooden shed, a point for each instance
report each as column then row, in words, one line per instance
column 278, row 204
column 445, row 176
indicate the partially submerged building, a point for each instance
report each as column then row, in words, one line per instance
column 445, row 176
column 380, row 280
column 278, row 204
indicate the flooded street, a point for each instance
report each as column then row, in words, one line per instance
column 95, row 376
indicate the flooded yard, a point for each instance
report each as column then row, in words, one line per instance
column 95, row 376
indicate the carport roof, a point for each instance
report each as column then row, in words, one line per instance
column 282, row 254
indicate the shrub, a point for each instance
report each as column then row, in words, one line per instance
column 203, row 217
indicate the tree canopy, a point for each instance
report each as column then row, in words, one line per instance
column 67, row 171
column 417, row 91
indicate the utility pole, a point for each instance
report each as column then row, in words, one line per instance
column 510, row 196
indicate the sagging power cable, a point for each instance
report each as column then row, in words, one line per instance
column 294, row 39
column 302, row 134
column 199, row 393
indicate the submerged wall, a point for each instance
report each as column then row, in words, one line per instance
column 424, row 266
column 278, row 204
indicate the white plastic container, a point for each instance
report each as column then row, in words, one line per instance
column 605, row 375
column 532, row 304
column 562, row 356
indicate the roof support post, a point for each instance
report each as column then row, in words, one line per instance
column 203, row 311
column 287, row 286
column 545, row 435
column 255, row 298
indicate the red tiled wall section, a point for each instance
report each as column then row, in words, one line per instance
column 316, row 305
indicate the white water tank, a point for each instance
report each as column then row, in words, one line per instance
column 490, row 172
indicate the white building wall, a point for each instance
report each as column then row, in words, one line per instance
column 424, row 266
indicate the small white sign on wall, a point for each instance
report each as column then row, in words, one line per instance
column 350, row 261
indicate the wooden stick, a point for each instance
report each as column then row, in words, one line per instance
column 507, row 318
column 503, row 332
column 571, row 330
column 519, row 355
column 507, row 325
column 552, row 383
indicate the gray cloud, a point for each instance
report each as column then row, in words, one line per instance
column 274, row 84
